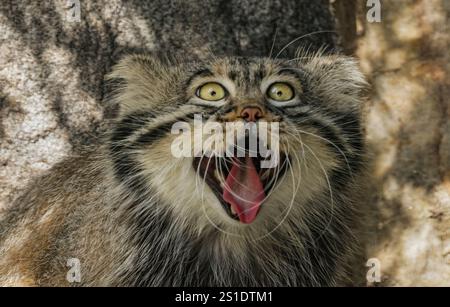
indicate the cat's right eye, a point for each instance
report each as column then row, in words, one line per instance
column 280, row 92
column 211, row 91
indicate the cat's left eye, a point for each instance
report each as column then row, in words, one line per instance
column 280, row 92
column 211, row 92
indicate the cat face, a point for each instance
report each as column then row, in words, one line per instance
column 309, row 109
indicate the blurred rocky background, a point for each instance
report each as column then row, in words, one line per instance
column 52, row 95
column 407, row 60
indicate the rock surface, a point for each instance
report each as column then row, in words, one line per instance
column 406, row 57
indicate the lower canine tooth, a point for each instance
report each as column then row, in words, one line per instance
column 218, row 175
column 232, row 210
column 219, row 178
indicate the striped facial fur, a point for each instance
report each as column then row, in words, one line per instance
column 315, row 100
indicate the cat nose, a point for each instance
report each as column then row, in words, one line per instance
column 252, row 114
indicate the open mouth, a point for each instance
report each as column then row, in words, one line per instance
column 240, row 184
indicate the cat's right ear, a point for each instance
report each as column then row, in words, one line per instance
column 139, row 82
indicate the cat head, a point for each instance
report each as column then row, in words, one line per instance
column 189, row 135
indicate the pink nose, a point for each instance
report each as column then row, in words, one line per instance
column 252, row 114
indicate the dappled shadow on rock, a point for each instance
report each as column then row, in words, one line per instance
column 406, row 58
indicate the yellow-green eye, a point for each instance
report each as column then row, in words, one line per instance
column 280, row 92
column 211, row 91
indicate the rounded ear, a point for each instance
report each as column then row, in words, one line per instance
column 337, row 80
column 135, row 67
column 139, row 82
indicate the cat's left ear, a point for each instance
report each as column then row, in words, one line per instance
column 338, row 81
column 140, row 82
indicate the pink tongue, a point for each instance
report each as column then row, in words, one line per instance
column 244, row 190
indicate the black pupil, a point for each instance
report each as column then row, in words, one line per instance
column 213, row 93
column 279, row 93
